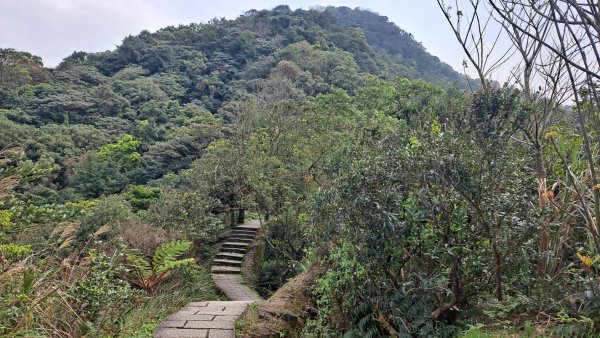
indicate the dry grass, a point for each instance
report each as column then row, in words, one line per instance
column 142, row 236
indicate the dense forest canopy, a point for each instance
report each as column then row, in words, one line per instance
column 171, row 89
column 420, row 208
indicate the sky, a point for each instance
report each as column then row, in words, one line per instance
column 53, row 29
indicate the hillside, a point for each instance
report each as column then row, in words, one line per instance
column 396, row 51
column 161, row 86
column 321, row 154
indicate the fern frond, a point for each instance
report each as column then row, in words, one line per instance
column 149, row 275
column 138, row 263
column 165, row 257
column 170, row 265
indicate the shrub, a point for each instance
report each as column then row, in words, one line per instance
column 101, row 295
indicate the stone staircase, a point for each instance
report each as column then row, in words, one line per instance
column 230, row 257
column 217, row 319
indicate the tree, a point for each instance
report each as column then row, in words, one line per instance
column 98, row 176
column 573, row 39
column 471, row 26
column 20, row 68
column 554, row 44
column 124, row 152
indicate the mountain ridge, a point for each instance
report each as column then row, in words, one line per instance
column 379, row 46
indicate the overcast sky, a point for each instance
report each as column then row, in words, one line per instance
column 53, row 29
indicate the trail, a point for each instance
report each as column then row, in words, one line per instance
column 216, row 319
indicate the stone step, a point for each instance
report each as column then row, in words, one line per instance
column 218, row 269
column 239, row 240
column 227, row 262
column 233, row 250
column 217, row 319
column 242, row 234
column 232, row 244
column 245, row 228
column 230, row 255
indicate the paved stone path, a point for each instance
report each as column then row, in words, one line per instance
column 232, row 287
column 217, row 319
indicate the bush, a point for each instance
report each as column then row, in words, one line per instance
column 100, row 287
column 140, row 196
column 110, row 211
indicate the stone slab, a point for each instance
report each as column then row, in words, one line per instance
column 221, row 334
column 178, row 316
column 180, row 333
column 219, row 323
column 172, row 323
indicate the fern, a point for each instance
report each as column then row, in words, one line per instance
column 165, row 257
column 139, row 263
column 176, row 264
column 150, row 274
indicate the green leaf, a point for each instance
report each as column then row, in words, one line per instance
column 138, row 263
column 165, row 257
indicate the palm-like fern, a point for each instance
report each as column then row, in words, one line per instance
column 149, row 274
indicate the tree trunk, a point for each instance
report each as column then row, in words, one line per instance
column 241, row 216
column 497, row 270
column 544, row 202
column 457, row 293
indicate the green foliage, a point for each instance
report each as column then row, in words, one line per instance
column 101, row 286
column 82, row 207
column 410, row 214
column 327, row 67
column 10, row 253
column 511, row 305
column 146, row 330
column 97, row 177
column 574, row 326
column 123, row 152
column 344, row 274
column 165, row 257
column 188, row 210
column 285, row 252
column 5, row 223
column 403, row 56
column 140, row 197
column 18, row 69
column 109, row 211
column 475, row 332
column 149, row 275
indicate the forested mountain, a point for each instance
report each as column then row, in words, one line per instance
column 164, row 88
column 393, row 202
column 399, row 52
